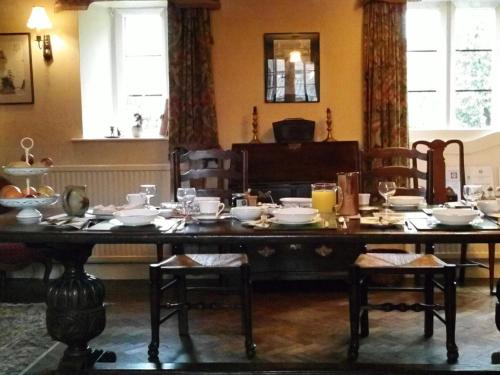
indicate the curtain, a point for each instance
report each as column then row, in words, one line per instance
column 384, row 70
column 192, row 120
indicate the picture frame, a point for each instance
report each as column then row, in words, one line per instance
column 291, row 67
column 16, row 70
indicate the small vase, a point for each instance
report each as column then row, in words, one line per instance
column 136, row 131
column 75, row 201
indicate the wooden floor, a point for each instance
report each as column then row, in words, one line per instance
column 298, row 326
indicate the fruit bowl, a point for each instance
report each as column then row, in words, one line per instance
column 29, row 214
column 25, row 171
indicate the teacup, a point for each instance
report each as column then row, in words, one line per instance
column 136, row 199
column 211, row 208
column 364, row 199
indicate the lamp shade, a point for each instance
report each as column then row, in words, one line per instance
column 39, row 19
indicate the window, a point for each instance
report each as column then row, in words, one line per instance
column 124, row 68
column 451, row 74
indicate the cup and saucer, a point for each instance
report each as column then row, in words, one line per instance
column 209, row 211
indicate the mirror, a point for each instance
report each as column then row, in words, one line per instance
column 291, row 66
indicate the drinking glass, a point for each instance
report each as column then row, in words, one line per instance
column 149, row 191
column 472, row 193
column 386, row 190
column 186, row 196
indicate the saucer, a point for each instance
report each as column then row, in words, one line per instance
column 275, row 220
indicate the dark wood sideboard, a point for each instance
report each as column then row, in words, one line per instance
column 287, row 170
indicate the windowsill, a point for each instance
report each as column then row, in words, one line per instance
column 466, row 135
column 121, row 139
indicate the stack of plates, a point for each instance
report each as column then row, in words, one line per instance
column 405, row 201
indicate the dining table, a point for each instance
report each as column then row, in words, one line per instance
column 75, row 301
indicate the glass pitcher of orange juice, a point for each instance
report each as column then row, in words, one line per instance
column 327, row 197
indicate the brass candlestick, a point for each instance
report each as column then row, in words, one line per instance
column 329, row 127
column 255, row 126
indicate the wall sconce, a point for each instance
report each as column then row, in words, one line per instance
column 40, row 21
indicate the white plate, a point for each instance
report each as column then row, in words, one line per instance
column 209, row 218
column 99, row 215
column 31, row 171
column 275, row 220
column 296, row 202
column 405, row 200
column 297, row 215
column 28, row 202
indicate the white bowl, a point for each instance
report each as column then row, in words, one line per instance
column 245, row 213
column 136, row 217
column 296, row 202
column 455, row 216
column 295, row 214
column 488, row 206
column 405, row 200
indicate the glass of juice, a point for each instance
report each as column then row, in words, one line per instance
column 326, row 197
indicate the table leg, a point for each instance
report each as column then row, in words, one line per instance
column 75, row 311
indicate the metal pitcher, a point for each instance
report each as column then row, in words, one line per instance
column 349, row 183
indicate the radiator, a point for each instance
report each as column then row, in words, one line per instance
column 109, row 184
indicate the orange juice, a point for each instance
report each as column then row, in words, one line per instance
column 323, row 200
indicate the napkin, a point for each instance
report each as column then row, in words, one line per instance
column 109, row 209
column 382, row 221
column 67, row 221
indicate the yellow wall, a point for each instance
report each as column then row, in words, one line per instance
column 238, row 30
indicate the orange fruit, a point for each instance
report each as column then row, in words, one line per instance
column 11, row 191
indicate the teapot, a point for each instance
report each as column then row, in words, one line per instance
column 349, row 183
column 75, row 201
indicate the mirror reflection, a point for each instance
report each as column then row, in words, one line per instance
column 291, row 67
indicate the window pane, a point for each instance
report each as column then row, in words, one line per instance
column 474, row 28
column 473, row 70
column 143, row 35
column 473, row 109
column 424, row 110
column 423, row 71
column 145, row 75
column 423, row 38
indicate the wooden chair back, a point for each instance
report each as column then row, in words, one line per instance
column 398, row 164
column 212, row 172
column 438, row 147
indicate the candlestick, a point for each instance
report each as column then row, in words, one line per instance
column 255, row 126
column 329, row 127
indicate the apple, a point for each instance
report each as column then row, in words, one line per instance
column 31, row 158
column 46, row 191
column 31, row 191
column 48, row 162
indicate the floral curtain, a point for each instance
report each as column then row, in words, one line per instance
column 384, row 69
column 192, row 120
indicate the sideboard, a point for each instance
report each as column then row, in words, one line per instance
column 287, row 170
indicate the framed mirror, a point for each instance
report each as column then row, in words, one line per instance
column 291, row 67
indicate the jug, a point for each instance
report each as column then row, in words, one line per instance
column 349, row 183
column 326, row 197
column 75, row 201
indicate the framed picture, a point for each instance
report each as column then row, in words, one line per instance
column 291, row 66
column 16, row 72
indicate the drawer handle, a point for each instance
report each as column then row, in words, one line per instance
column 295, row 246
column 266, row 251
column 323, row 250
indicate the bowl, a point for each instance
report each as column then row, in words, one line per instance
column 136, row 217
column 405, row 200
column 295, row 215
column 245, row 213
column 455, row 216
column 488, row 206
column 296, row 202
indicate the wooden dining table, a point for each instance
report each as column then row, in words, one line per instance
column 75, row 310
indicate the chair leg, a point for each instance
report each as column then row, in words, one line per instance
column 491, row 266
column 429, row 300
column 463, row 260
column 183, row 308
column 155, row 300
column 3, row 283
column 246, row 311
column 159, row 252
column 47, row 262
column 364, row 322
column 354, row 307
column 450, row 313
